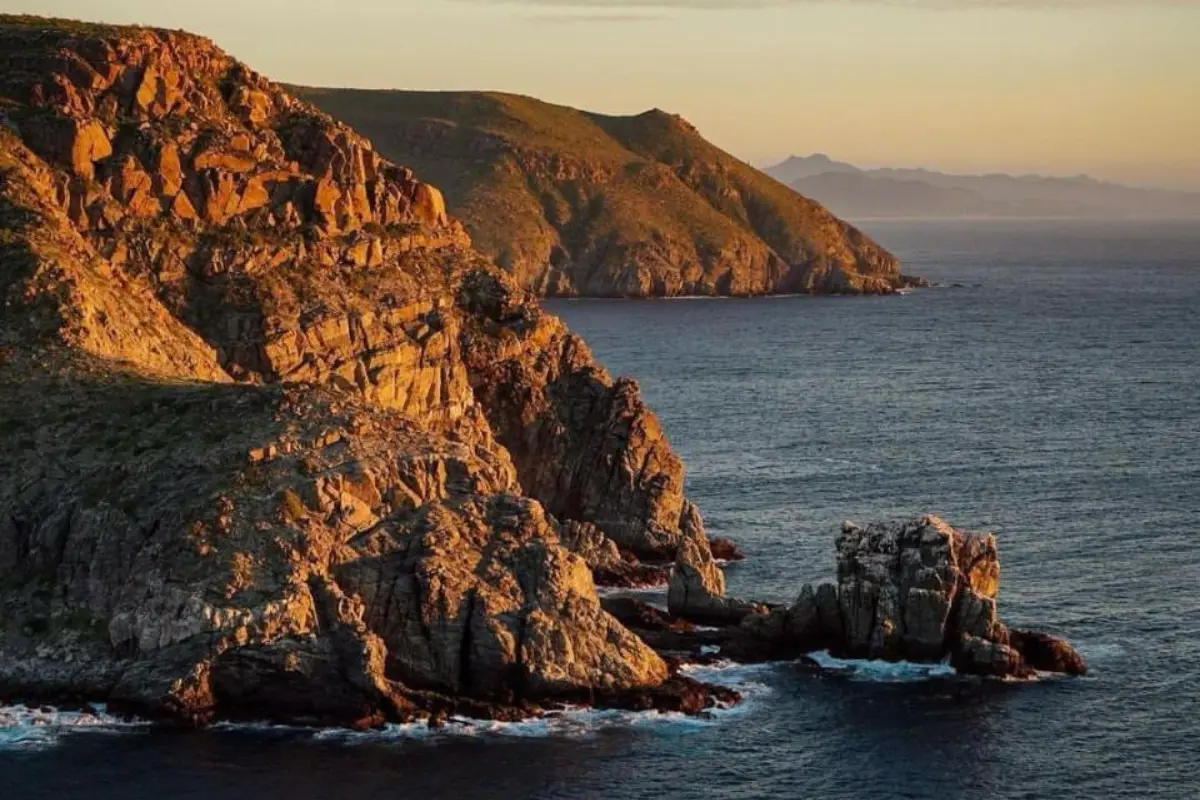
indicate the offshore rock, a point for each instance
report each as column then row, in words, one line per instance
column 1046, row 653
column 904, row 590
column 917, row 591
column 725, row 549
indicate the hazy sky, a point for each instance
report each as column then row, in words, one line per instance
column 1109, row 87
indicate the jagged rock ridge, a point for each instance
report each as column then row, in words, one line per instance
column 281, row 444
column 575, row 203
column 919, row 591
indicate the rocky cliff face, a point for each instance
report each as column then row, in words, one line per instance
column 282, row 444
column 573, row 203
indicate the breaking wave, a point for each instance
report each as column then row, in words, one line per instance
column 878, row 671
column 23, row 728
column 581, row 722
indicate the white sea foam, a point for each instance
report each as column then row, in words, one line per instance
column 569, row 723
column 24, row 728
column 578, row 722
column 882, row 671
column 651, row 595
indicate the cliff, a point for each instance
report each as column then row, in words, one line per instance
column 574, row 203
column 279, row 443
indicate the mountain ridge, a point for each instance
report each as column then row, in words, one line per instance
column 891, row 192
column 577, row 203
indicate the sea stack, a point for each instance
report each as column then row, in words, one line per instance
column 917, row 591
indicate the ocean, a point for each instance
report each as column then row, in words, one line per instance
column 1047, row 389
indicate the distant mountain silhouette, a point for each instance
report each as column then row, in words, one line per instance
column 849, row 191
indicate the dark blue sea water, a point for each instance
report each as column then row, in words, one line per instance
column 1052, row 395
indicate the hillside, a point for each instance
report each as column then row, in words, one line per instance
column 573, row 203
column 860, row 193
column 278, row 443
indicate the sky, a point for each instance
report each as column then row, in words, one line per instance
column 1109, row 88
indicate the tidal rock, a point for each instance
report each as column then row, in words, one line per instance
column 797, row 627
column 1047, row 653
column 725, row 549
column 978, row 656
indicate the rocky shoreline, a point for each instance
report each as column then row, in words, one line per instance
column 280, row 445
column 920, row 591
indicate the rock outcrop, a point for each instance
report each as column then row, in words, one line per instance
column 696, row 590
column 279, row 443
column 581, row 204
column 917, row 591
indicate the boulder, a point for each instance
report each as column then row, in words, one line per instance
column 725, row 549
column 429, row 207
column 133, row 187
column 1046, row 653
column 75, row 143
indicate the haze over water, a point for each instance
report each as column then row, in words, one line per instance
column 1053, row 396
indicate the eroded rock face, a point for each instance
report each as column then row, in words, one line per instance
column 904, row 589
column 696, row 590
column 584, row 445
column 919, row 591
column 287, row 447
column 610, row 566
